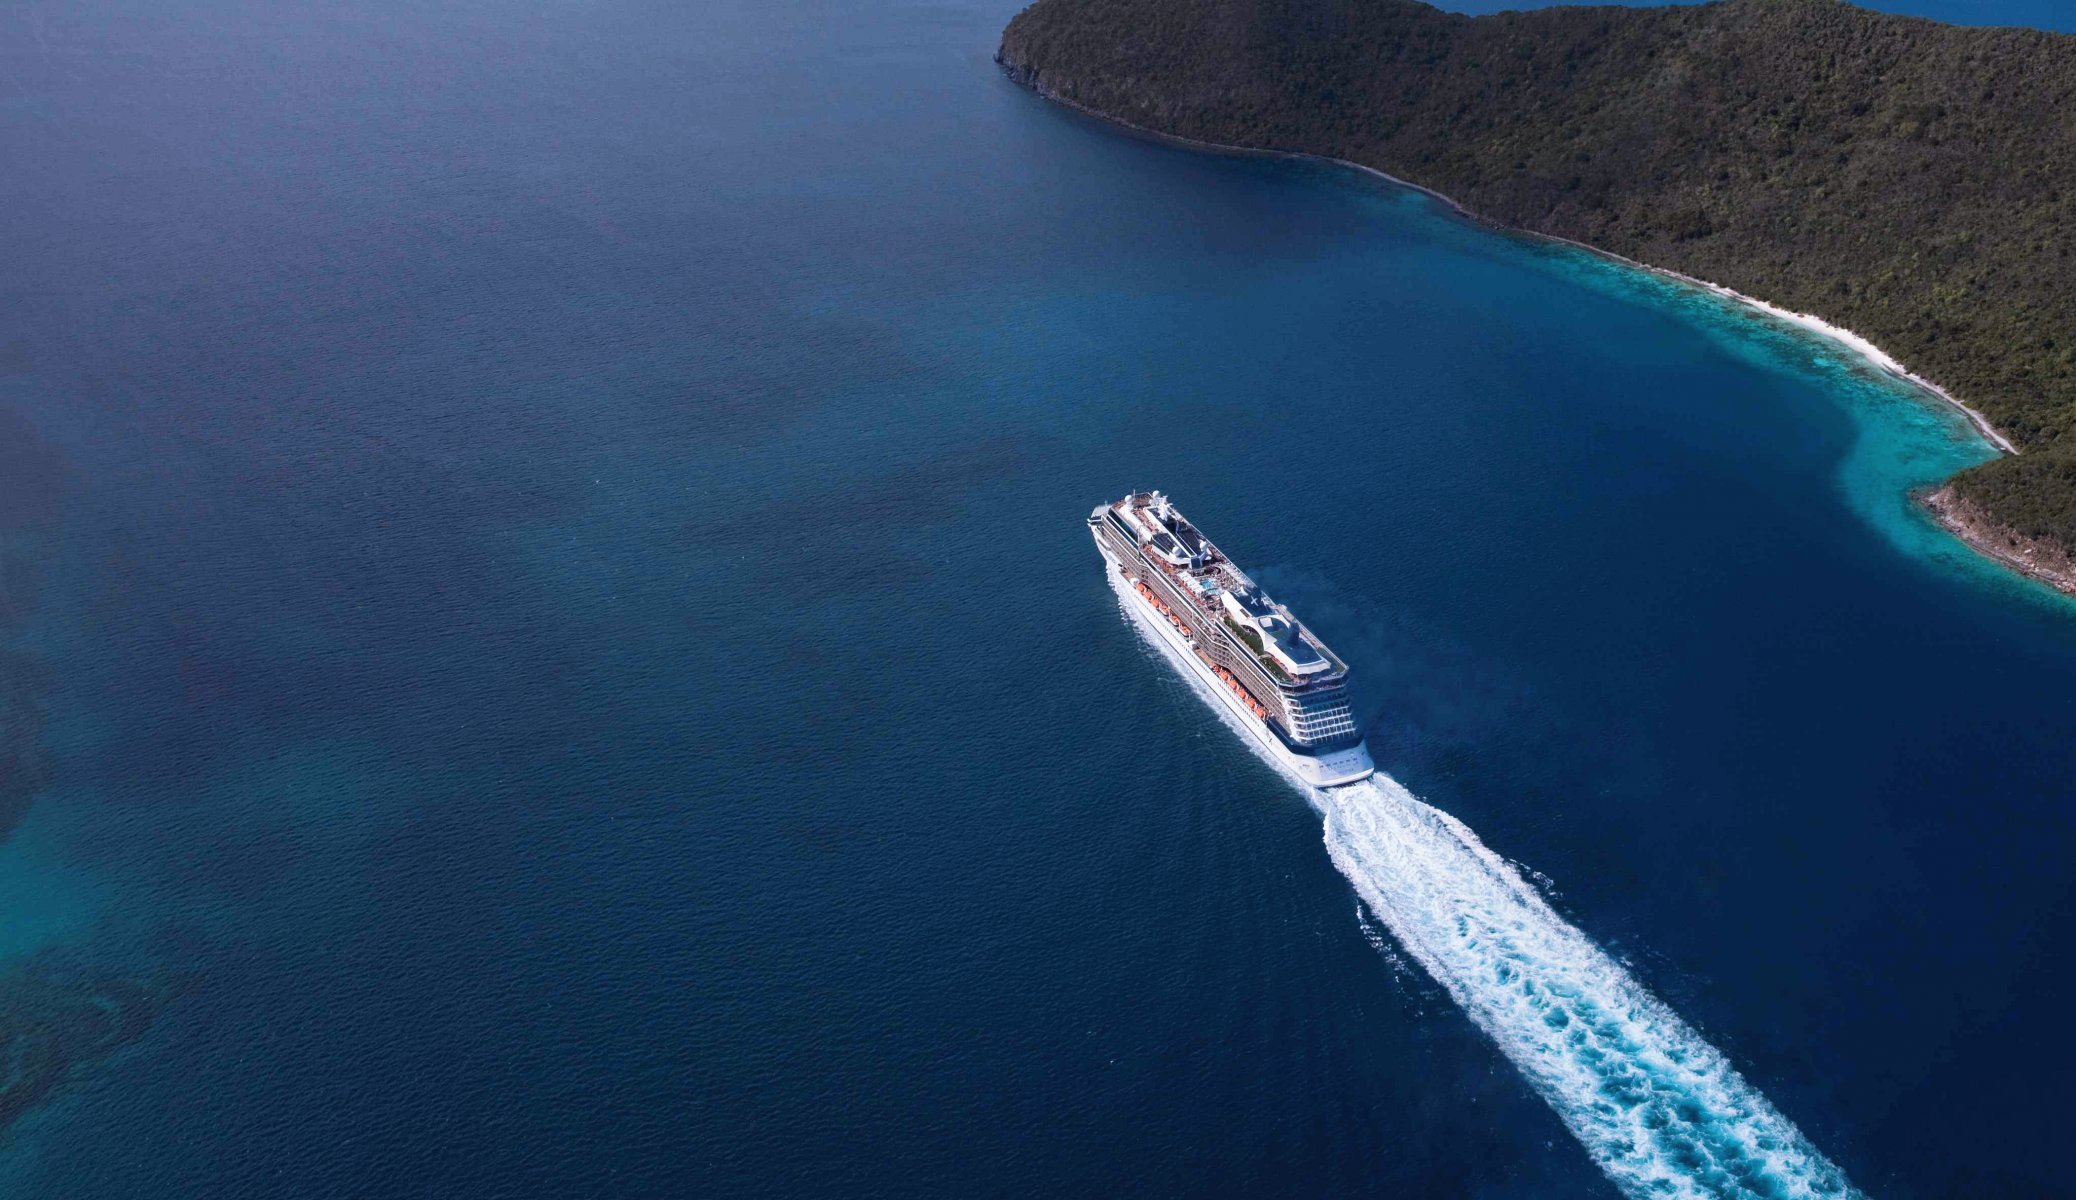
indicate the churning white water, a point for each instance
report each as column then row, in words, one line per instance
column 1661, row 1111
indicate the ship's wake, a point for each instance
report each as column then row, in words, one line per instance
column 1661, row 1111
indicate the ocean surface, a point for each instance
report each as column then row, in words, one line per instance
column 550, row 649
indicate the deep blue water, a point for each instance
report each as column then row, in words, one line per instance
column 546, row 543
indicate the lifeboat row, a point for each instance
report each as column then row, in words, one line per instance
column 1226, row 677
column 1161, row 606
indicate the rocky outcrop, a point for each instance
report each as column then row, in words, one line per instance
column 2040, row 558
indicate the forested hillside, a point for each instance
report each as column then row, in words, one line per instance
column 1912, row 181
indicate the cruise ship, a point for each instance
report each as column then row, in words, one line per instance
column 1286, row 688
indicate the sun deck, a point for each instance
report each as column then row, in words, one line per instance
column 1223, row 592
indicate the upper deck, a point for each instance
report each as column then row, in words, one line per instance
column 1223, row 592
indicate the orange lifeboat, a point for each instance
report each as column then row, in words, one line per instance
column 1233, row 685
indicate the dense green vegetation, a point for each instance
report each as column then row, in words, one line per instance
column 1253, row 640
column 1912, row 181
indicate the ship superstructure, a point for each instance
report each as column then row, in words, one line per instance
column 1268, row 670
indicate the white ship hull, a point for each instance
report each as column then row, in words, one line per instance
column 1327, row 770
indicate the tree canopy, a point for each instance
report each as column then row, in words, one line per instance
column 1912, row 181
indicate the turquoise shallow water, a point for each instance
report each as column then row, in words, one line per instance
column 568, row 660
column 1903, row 439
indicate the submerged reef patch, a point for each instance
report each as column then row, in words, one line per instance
column 57, row 1019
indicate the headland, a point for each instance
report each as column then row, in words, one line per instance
column 1898, row 186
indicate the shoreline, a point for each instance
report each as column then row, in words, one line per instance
column 1978, row 534
column 2036, row 560
column 1872, row 354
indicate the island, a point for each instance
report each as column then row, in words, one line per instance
column 1911, row 182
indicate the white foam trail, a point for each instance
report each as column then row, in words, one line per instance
column 1661, row 1111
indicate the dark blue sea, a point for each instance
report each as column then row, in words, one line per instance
column 551, row 650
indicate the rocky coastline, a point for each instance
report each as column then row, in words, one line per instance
column 2037, row 558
